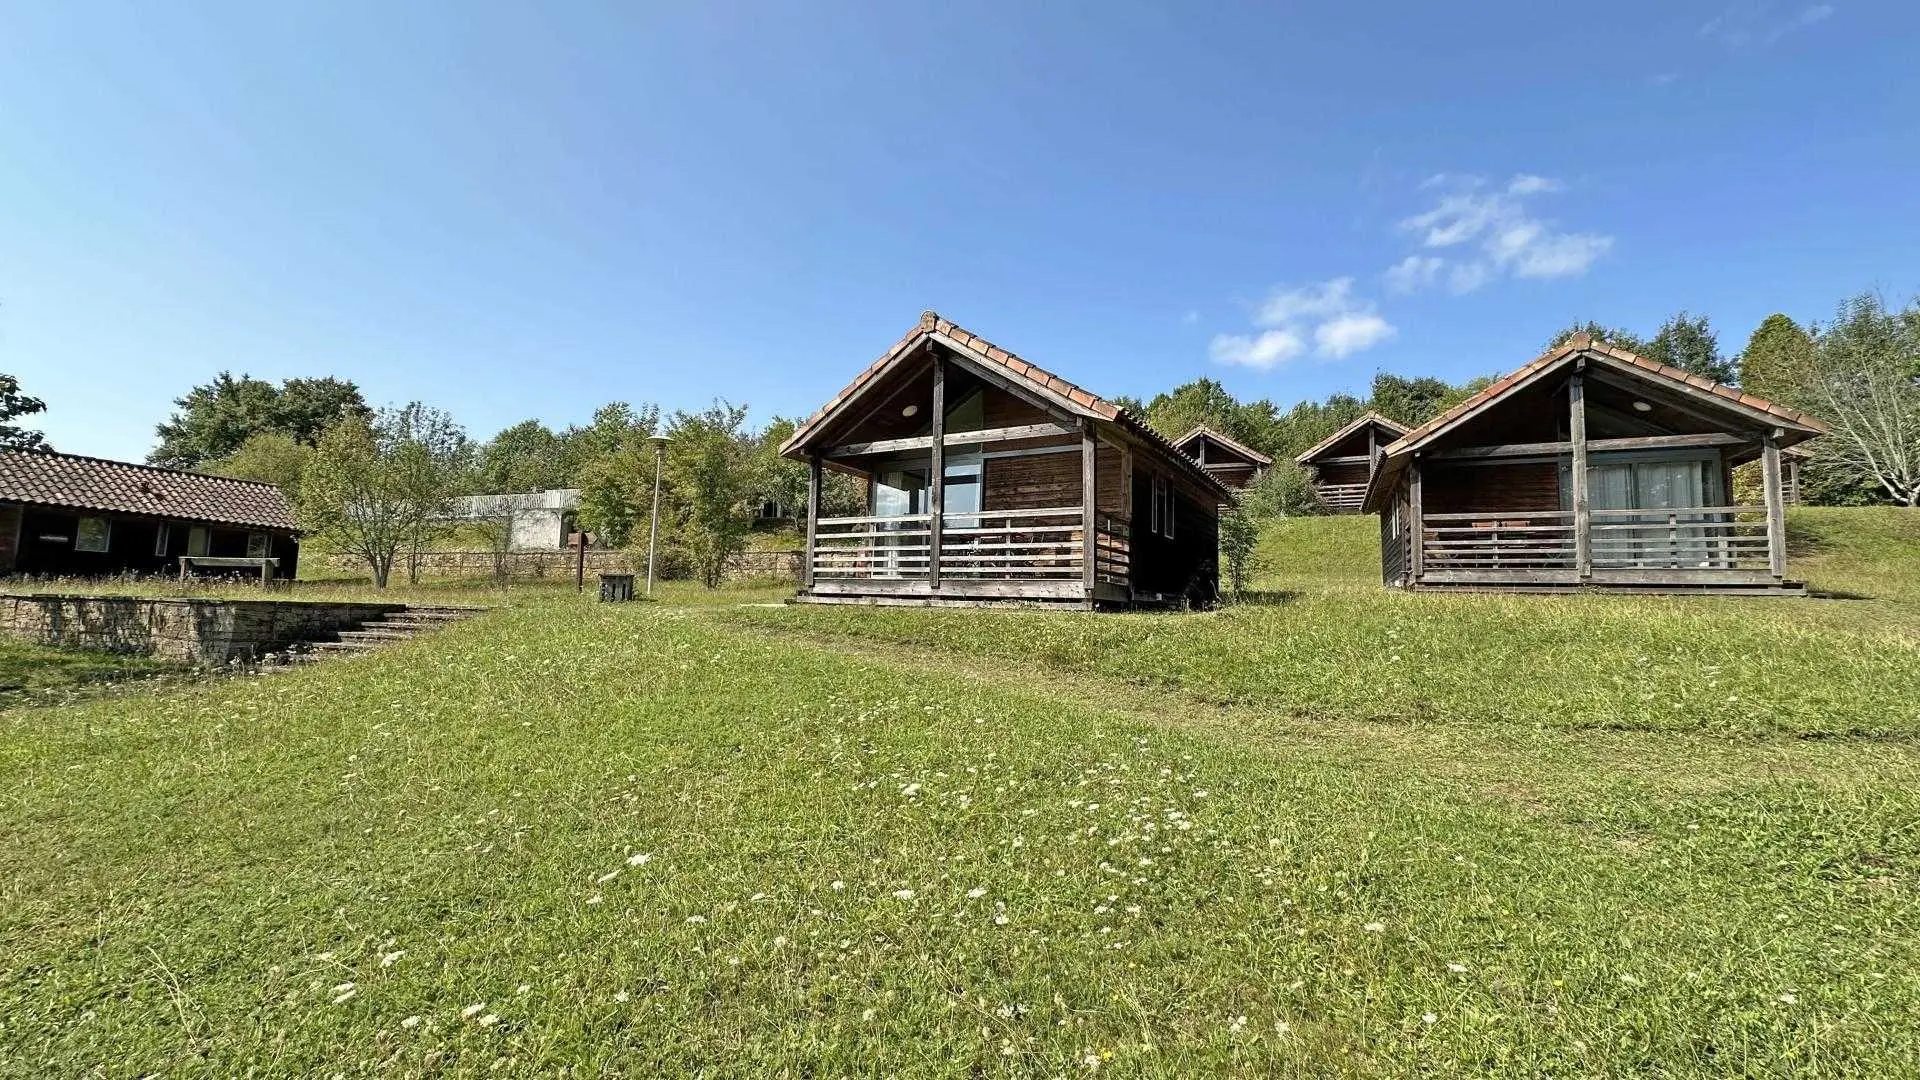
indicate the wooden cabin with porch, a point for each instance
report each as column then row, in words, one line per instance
column 1226, row 459
column 1338, row 466
column 992, row 481
column 1590, row 468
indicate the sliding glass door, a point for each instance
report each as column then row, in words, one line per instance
column 1668, row 497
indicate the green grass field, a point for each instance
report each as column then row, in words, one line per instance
column 1339, row 832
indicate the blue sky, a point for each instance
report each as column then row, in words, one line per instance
column 528, row 210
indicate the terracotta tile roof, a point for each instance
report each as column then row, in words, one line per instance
column 1581, row 342
column 1024, row 372
column 119, row 487
column 1370, row 417
column 1232, row 444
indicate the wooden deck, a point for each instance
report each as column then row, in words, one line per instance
column 1035, row 556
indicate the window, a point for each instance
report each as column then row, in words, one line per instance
column 197, row 540
column 257, row 544
column 160, row 537
column 92, row 534
column 1163, row 507
column 1153, row 497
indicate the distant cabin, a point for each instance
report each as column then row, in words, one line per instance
column 70, row 516
column 1590, row 467
column 990, row 480
column 1338, row 466
column 1233, row 463
column 535, row 520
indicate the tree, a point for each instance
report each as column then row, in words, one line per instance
column 350, row 500
column 1777, row 363
column 1239, row 534
column 214, row 419
column 373, row 488
column 1867, row 386
column 1284, row 490
column 14, row 404
column 611, row 462
column 1411, row 401
column 1612, row 335
column 432, row 463
column 1688, row 343
column 526, row 457
column 272, row 456
column 711, row 475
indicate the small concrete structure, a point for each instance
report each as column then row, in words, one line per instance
column 539, row 520
column 191, row 630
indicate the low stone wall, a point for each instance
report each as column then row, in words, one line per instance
column 760, row 565
column 183, row 629
column 526, row 564
column 749, row 565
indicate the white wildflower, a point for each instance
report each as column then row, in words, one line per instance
column 596, row 898
column 620, row 996
column 640, row 859
column 1789, row 999
column 976, row 893
column 389, row 959
column 1374, row 927
column 410, row 1022
column 903, row 894
column 837, row 886
column 472, row 1011
column 780, row 941
column 488, row 1020
column 606, row 877
column 696, row 920
column 1428, row 1018
column 1457, row 969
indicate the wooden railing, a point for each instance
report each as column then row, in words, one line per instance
column 872, row 547
column 1540, row 541
column 1027, row 544
column 1700, row 537
column 1043, row 543
column 1686, row 538
column 1341, row 498
column 1113, row 550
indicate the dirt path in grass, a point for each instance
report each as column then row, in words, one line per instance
column 1517, row 764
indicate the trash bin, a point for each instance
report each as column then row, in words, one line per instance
column 615, row 588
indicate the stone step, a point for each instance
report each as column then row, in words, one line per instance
column 373, row 635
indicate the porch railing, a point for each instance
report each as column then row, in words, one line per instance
column 1043, row 543
column 1703, row 537
column 1342, row 497
column 1686, row 538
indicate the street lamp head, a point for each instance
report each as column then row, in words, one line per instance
column 660, row 442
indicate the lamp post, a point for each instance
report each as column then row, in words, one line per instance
column 653, row 529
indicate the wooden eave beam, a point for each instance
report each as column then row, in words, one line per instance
column 951, row 438
column 1637, row 442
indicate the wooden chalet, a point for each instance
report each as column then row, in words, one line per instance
column 1589, row 468
column 990, row 480
column 1339, row 464
column 65, row 515
column 1233, row 463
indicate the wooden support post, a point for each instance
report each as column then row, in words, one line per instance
column 580, row 561
column 1089, row 537
column 1126, row 507
column 937, row 470
column 1582, row 502
column 1776, row 504
column 813, row 516
column 1416, row 525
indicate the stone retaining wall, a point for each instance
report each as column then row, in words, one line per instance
column 560, row 564
column 183, row 629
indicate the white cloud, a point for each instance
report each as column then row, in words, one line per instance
column 1413, row 273
column 1755, row 24
column 1312, row 302
column 1466, row 277
column 1500, row 221
column 1344, row 335
column 1327, row 313
column 1263, row 352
